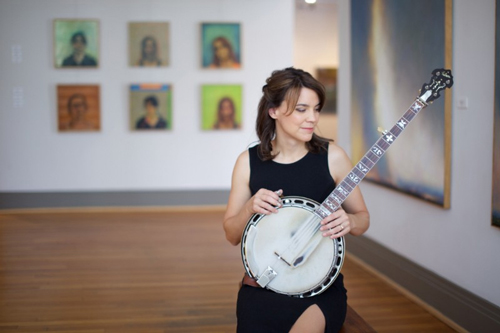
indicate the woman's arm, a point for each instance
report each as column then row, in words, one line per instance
column 353, row 217
column 241, row 204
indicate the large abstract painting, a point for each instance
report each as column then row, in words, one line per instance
column 495, row 214
column 396, row 44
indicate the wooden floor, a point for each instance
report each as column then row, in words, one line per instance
column 148, row 272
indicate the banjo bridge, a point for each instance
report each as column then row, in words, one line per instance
column 282, row 259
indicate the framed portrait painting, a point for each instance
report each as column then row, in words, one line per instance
column 221, row 106
column 149, row 44
column 495, row 211
column 76, row 43
column 393, row 55
column 221, row 45
column 78, row 108
column 328, row 77
column 150, row 106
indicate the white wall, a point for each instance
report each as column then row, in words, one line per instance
column 316, row 36
column 35, row 157
column 458, row 244
column 316, row 45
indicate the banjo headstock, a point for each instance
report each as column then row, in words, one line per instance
column 440, row 80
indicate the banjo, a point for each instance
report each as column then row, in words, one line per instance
column 286, row 252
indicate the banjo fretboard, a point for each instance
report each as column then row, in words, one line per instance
column 372, row 156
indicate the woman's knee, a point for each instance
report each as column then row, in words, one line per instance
column 311, row 320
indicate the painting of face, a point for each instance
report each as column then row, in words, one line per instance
column 149, row 44
column 76, row 43
column 221, row 47
column 221, row 107
column 78, row 108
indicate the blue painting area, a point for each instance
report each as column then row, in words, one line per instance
column 149, row 87
column 362, row 73
column 409, row 37
column 417, row 33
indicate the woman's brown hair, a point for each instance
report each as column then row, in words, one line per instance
column 285, row 85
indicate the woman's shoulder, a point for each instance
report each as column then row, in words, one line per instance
column 242, row 165
column 336, row 153
column 339, row 162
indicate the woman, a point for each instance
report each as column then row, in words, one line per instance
column 149, row 53
column 226, row 113
column 152, row 119
column 291, row 160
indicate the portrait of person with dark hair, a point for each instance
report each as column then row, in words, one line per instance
column 149, row 53
column 148, row 44
column 223, row 54
column 79, row 57
column 76, row 43
column 152, row 119
column 78, row 107
column 150, row 106
column 226, row 113
column 221, row 106
column 221, row 46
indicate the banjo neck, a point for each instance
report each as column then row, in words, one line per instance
column 442, row 79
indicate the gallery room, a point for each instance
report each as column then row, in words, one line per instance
column 250, row 166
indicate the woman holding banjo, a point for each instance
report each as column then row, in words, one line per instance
column 291, row 160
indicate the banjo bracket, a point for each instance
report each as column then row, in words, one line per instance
column 266, row 277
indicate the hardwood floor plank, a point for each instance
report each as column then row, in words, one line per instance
column 145, row 271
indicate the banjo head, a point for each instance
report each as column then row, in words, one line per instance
column 291, row 245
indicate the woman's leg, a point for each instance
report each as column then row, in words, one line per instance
column 312, row 320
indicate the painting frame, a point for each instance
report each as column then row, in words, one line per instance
column 149, row 44
column 380, row 99
column 150, row 97
column 76, row 43
column 221, row 45
column 215, row 98
column 78, row 108
column 495, row 194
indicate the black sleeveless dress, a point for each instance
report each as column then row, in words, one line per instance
column 261, row 310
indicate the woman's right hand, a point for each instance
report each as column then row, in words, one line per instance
column 265, row 202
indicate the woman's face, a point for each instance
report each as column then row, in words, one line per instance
column 221, row 50
column 300, row 123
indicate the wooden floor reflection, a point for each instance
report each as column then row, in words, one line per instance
column 148, row 271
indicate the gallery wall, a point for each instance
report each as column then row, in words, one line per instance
column 36, row 157
column 316, row 36
column 316, row 46
column 458, row 244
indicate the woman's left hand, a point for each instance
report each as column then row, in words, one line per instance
column 336, row 224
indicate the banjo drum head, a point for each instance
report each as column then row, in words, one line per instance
column 266, row 238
